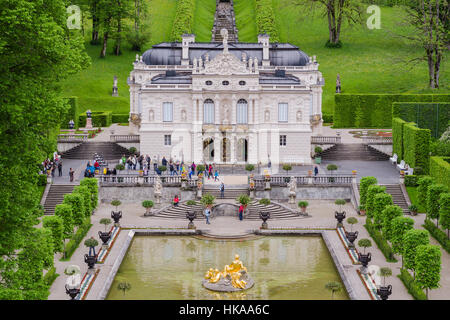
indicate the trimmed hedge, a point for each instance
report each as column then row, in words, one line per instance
column 327, row 118
column 73, row 244
column 50, row 276
column 397, row 137
column 412, row 180
column 92, row 184
column 42, row 180
column 99, row 119
column 374, row 110
column 438, row 234
column 416, row 146
column 440, row 170
column 413, row 288
column 265, row 20
column 381, row 242
column 120, row 118
column 184, row 19
column 372, row 191
column 433, row 116
column 71, row 114
column 363, row 187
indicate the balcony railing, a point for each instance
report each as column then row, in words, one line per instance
column 124, row 138
column 133, row 180
column 283, row 181
column 325, row 140
column 72, row 137
column 377, row 140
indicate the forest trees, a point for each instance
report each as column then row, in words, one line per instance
column 37, row 51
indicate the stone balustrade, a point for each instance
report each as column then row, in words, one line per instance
column 124, row 138
column 72, row 138
column 377, row 140
column 280, row 180
column 325, row 140
column 133, row 179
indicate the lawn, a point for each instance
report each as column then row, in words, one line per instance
column 414, row 197
column 93, row 86
column 203, row 20
column 371, row 61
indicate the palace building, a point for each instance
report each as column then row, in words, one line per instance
column 226, row 102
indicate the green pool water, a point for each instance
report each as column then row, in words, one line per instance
column 172, row 268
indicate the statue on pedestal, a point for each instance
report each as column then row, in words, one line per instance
column 115, row 92
column 338, row 84
column 158, row 190
column 292, row 190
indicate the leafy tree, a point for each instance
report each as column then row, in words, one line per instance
column 430, row 21
column 116, row 203
column 92, row 184
column 105, row 221
column 56, row 225
column 372, row 190
column 38, row 52
column 365, row 243
column 86, row 196
column 140, row 34
column 249, row 167
column 243, row 199
column 64, row 211
column 76, row 201
column 287, row 168
column 385, row 272
column 412, row 239
column 363, row 187
column 337, row 12
column 333, row 286
column 381, row 201
column 433, row 196
column 399, row 226
column 444, row 212
column 389, row 213
column 207, row 200
column 428, row 267
column 351, row 221
column 303, row 204
column 422, row 189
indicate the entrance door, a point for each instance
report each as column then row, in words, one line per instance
column 242, row 150
column 208, row 150
column 226, row 150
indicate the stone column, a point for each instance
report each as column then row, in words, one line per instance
column 217, row 148
column 233, row 146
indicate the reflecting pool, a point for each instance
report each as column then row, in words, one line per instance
column 172, row 268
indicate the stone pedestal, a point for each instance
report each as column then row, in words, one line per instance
column 157, row 200
column 199, row 193
column 115, row 92
column 140, row 180
column 117, row 225
column 89, row 123
column 252, row 194
column 105, row 246
column 191, row 225
column 292, row 197
column 183, row 184
column 267, row 185
column 264, row 225
column 91, row 271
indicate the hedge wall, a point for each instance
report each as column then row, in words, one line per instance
column 374, row 110
column 433, row 116
column 184, row 19
column 416, row 146
column 265, row 19
column 440, row 170
column 99, row 119
column 71, row 114
column 120, row 118
column 397, row 137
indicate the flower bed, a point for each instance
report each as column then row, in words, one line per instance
column 369, row 284
column 86, row 284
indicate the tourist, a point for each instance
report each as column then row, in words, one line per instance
column 53, row 165
column 149, row 160
column 222, row 190
column 155, row 166
column 60, row 168
column 207, row 215
column 96, row 165
column 269, row 164
column 193, row 166
column 164, row 161
column 171, row 169
column 216, row 175
column 210, row 169
column 178, row 166
column 71, row 174
column 241, row 212
column 140, row 161
column 176, row 200
column 316, row 171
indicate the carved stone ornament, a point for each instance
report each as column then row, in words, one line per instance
column 135, row 119
column 225, row 64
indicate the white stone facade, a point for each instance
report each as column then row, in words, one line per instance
column 224, row 81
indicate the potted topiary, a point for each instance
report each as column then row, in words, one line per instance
column 303, row 205
column 105, row 236
column 116, row 215
column 318, row 150
column 207, row 200
column 331, row 168
column 413, row 209
column 363, row 257
column 116, row 203
column 200, row 169
column 264, row 202
column 385, row 291
column 362, row 210
column 351, row 236
column 119, row 168
column 91, row 259
column 287, row 168
column 148, row 205
column 191, row 203
column 340, row 203
column 132, row 150
column 244, row 200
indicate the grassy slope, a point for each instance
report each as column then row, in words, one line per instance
column 414, row 197
column 93, row 86
column 245, row 20
column 203, row 20
column 369, row 62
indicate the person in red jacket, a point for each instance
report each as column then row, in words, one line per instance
column 176, row 200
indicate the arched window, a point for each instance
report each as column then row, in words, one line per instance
column 242, row 112
column 208, row 111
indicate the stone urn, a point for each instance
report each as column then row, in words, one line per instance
column 191, row 216
column 264, row 215
column 104, row 236
column 384, row 292
column 90, row 261
column 364, row 259
column 116, row 216
column 351, row 237
column 340, row 216
column 72, row 292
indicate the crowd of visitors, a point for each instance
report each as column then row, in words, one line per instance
column 50, row 166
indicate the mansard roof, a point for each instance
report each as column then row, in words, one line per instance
column 280, row 54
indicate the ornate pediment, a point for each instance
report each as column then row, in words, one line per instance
column 225, row 64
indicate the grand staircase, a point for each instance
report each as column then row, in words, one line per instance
column 224, row 19
column 397, row 196
column 277, row 212
column 86, row 151
column 229, row 193
column 354, row 151
column 56, row 196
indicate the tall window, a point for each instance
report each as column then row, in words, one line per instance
column 167, row 111
column 242, row 112
column 167, row 140
column 283, row 140
column 283, row 112
column 208, row 111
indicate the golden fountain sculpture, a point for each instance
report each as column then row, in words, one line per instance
column 234, row 277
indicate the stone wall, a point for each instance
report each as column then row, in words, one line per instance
column 308, row 193
column 385, row 148
column 66, row 146
column 128, row 194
